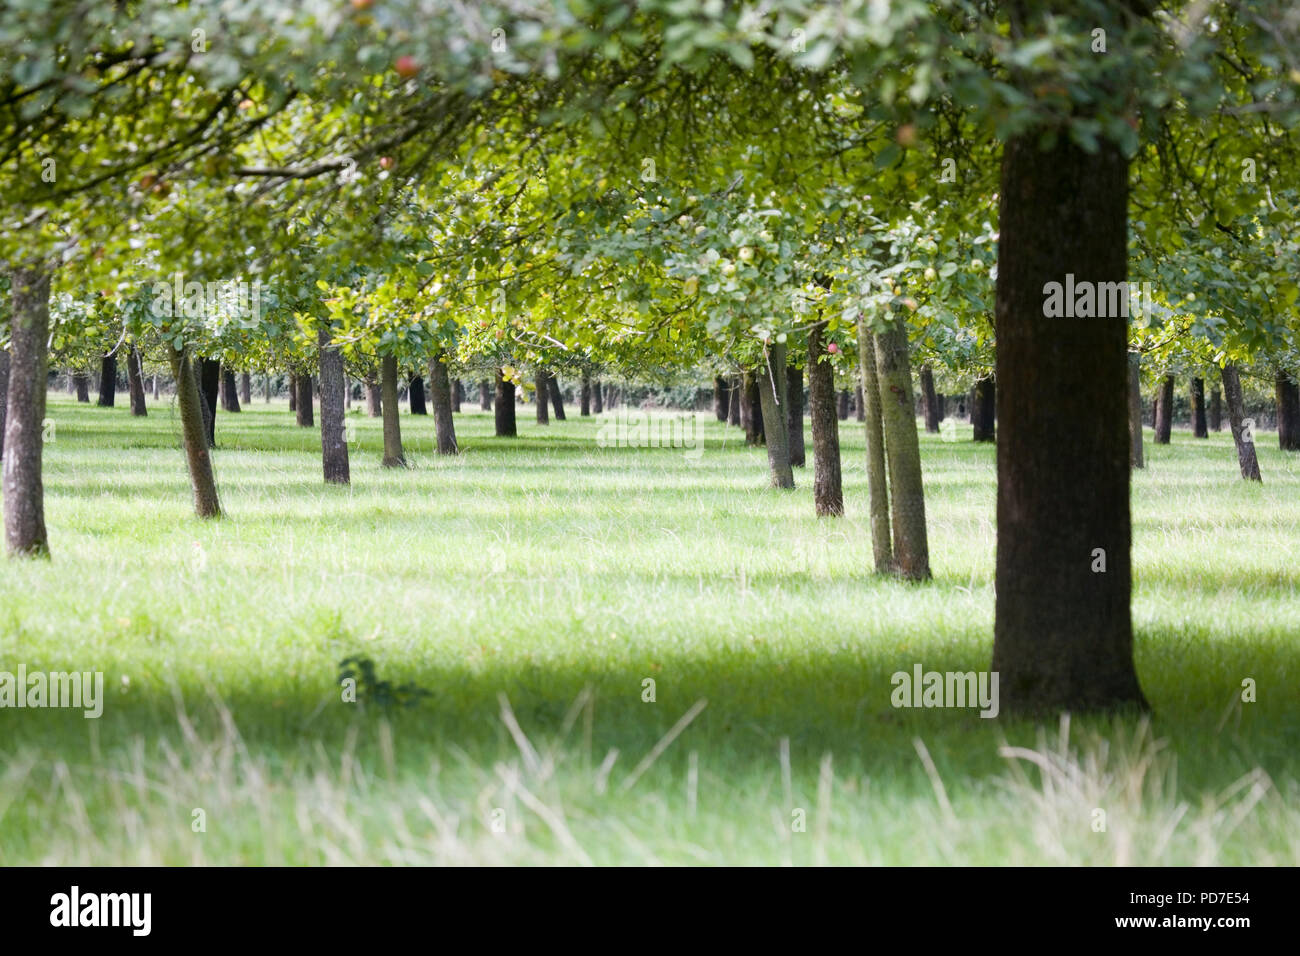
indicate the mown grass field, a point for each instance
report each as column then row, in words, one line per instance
column 533, row 585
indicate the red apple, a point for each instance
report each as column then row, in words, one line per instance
column 362, row 4
column 406, row 67
column 386, row 162
column 832, row 348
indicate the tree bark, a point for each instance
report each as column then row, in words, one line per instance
column 333, row 437
column 24, row 492
column 107, row 381
column 584, row 397
column 1135, row 456
column 1216, row 409
column 882, row 547
column 734, row 404
column 293, row 392
column 155, row 387
column 1063, row 635
column 416, row 395
column 1199, row 427
column 793, row 416
column 457, row 394
column 135, row 383
column 828, row 491
column 374, row 400
column 541, row 395
column 485, row 395
column 982, row 408
column 229, row 391
column 859, row 406
column 772, row 396
column 441, row 392
column 306, row 397
column 720, row 396
column 557, row 399
column 505, row 410
column 394, row 457
column 1288, row 412
column 210, row 383
column 903, row 452
column 246, row 388
column 754, row 425
column 1243, row 437
column 930, row 401
column 597, row 400
column 82, row 381
column 844, row 404
column 1165, row 410
column 190, row 402
column 4, row 395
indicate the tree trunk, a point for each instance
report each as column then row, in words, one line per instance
column 720, row 398
column 557, row 399
column 82, row 381
column 229, row 391
column 859, row 406
column 597, row 399
column 793, row 416
column 210, row 384
column 24, row 492
column 844, row 404
column 306, row 397
column 754, row 425
column 246, row 388
column 485, row 395
column 1135, row 457
column 1216, row 409
column 1165, row 410
column 1199, row 428
column 772, row 395
column 505, row 411
column 107, row 381
column 584, row 397
column 734, row 404
column 457, row 394
column 882, row 547
column 333, row 437
column 4, row 395
column 1288, row 412
column 828, row 491
column 930, row 401
column 416, row 394
column 374, row 401
column 1063, row 636
column 982, row 408
column 394, row 457
column 1242, row 435
column 903, row 452
column 541, row 394
column 293, row 392
column 190, row 402
column 442, row 391
column 155, row 386
column 135, row 383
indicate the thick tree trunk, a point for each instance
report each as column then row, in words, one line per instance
column 333, row 438
column 930, row 401
column 441, row 393
column 1216, row 409
column 416, row 395
column 828, row 491
column 584, row 397
column 794, row 414
column 557, row 399
column 306, row 398
column 882, row 547
column 597, row 399
column 1243, row 437
column 1199, row 427
column 135, row 383
column 24, row 491
column 246, row 388
column 772, row 396
column 1288, row 412
column 374, row 400
column 720, row 396
column 1135, row 456
column 210, row 383
column 1165, row 410
column 541, row 395
column 755, row 428
column 505, row 410
column 485, row 395
column 229, row 391
column 190, row 403
column 107, row 381
column 983, row 403
column 1063, row 635
column 394, row 456
column 903, row 453
column 82, row 381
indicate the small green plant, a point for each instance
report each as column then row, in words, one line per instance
column 382, row 693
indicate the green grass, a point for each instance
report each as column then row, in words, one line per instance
column 532, row 585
